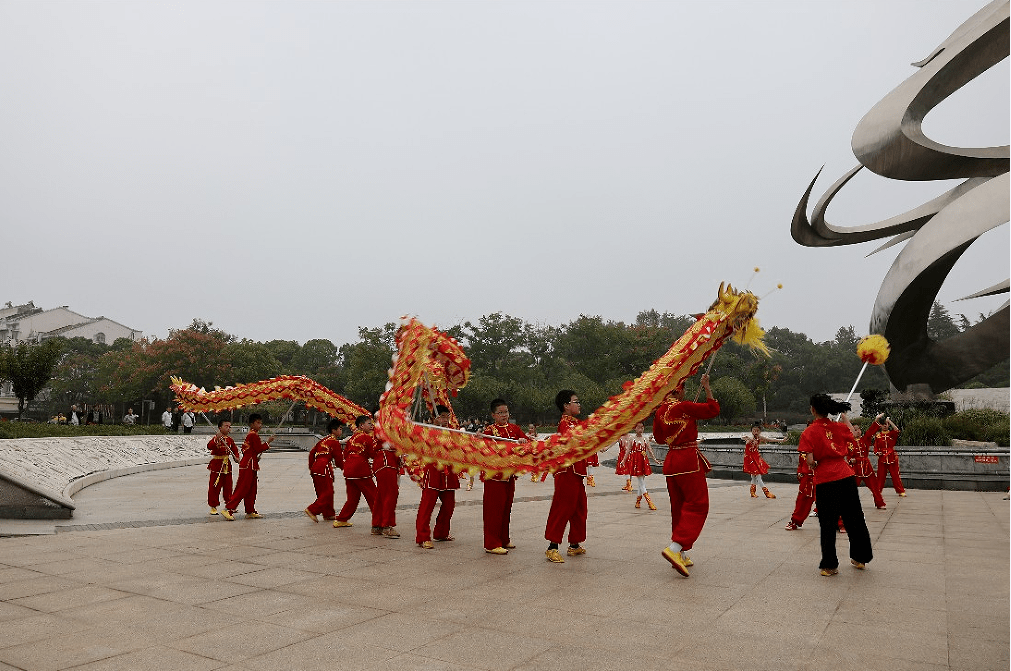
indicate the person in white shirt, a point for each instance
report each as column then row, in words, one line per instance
column 166, row 419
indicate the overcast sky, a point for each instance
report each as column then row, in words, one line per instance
column 295, row 170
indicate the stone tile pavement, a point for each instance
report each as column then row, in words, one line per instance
column 141, row 578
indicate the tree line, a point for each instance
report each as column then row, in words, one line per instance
column 510, row 358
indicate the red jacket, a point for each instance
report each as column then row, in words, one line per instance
column 252, row 448
column 440, row 478
column 565, row 424
column 221, row 448
column 884, row 444
column 357, row 452
column 829, row 443
column 324, row 455
column 503, row 431
column 674, row 426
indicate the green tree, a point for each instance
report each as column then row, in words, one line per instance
column 29, row 367
column 250, row 361
column 734, row 397
column 940, row 323
column 366, row 364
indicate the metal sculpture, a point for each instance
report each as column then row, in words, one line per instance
column 890, row 141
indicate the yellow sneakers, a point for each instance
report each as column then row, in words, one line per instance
column 686, row 559
column 497, row 551
column 311, row 516
column 827, row 572
column 427, row 545
column 253, row 516
column 227, row 514
column 573, row 551
column 214, row 511
column 337, row 524
column 676, row 560
column 554, row 556
column 858, row 565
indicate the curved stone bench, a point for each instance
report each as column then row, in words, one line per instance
column 38, row 476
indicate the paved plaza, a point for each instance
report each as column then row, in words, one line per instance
column 142, row 578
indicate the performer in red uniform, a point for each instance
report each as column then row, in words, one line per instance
column 640, row 456
column 497, row 503
column 859, row 460
column 827, row 444
column 888, row 460
column 322, row 458
column 805, row 494
column 358, row 474
column 245, row 488
column 221, row 445
column 621, row 465
column 386, row 468
column 568, row 503
column 685, row 469
column 754, row 464
column 438, row 483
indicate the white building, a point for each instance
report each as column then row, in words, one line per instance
column 27, row 322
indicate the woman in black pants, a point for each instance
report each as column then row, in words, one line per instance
column 826, row 444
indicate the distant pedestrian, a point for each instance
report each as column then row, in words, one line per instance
column 188, row 419
column 129, row 417
column 74, row 420
column 166, row 419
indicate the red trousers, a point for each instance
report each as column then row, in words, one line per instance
column 805, row 499
column 872, row 484
column 356, row 489
column 568, row 506
column 884, row 470
column 222, row 489
column 245, row 490
column 497, row 506
column 427, row 507
column 323, row 505
column 387, row 493
column 689, row 506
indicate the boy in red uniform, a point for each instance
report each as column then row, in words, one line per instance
column 888, row 460
column 322, row 458
column 386, row 468
column 221, row 445
column 685, row 469
column 439, row 483
column 245, row 488
column 497, row 503
column 568, row 504
column 358, row 474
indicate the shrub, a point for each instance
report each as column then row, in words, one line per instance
column 924, row 431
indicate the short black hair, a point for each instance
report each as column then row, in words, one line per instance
column 255, row 416
column 361, row 419
column 756, row 423
column 563, row 397
column 498, row 402
column 825, row 405
column 334, row 424
column 441, row 410
column 223, row 420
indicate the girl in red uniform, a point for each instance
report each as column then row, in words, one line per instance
column 640, row 456
column 859, row 460
column 827, row 444
column 754, row 464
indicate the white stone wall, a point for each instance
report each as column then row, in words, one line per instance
column 53, row 463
